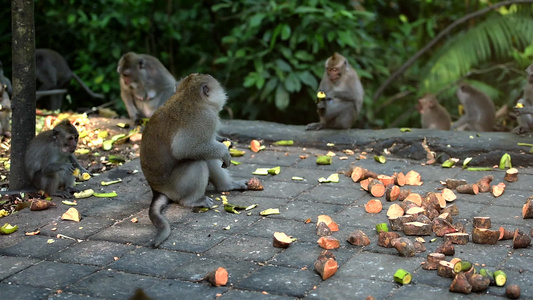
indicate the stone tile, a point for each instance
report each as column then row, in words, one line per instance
column 335, row 194
column 302, row 210
column 78, row 230
column 194, row 241
column 198, row 267
column 281, row 281
column 11, row 265
column 70, row 296
column 98, row 253
column 112, row 284
column 22, row 292
column 127, row 232
column 52, row 275
column 149, row 261
column 505, row 215
column 375, row 266
column 235, row 294
column 303, row 255
column 338, row 287
column 27, row 247
column 174, row 289
column 244, row 248
column 111, row 208
column 297, row 229
column 216, row 221
column 279, row 189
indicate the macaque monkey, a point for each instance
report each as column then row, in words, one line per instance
column 433, row 115
column 53, row 72
column 524, row 106
column 145, row 84
column 50, row 160
column 5, row 111
column 5, row 81
column 479, row 110
column 344, row 95
column 180, row 153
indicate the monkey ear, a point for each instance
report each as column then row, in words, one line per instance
column 205, row 90
column 142, row 63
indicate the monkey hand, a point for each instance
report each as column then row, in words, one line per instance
column 226, row 161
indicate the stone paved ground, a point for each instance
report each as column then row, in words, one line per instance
column 110, row 256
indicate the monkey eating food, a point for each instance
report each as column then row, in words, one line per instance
column 344, row 95
column 180, row 153
column 480, row 113
column 53, row 72
column 433, row 115
column 50, row 160
column 145, row 84
column 524, row 107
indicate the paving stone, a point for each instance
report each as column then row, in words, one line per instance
column 149, row 261
column 430, row 292
column 339, row 287
column 70, row 296
column 36, row 247
column 303, row 255
column 78, row 230
column 279, row 189
column 11, row 265
column 174, row 289
column 376, row 266
column 217, row 222
column 241, row 247
column 198, row 267
column 297, row 229
column 111, row 208
column 127, row 232
column 52, row 275
column 281, row 281
column 112, row 284
column 335, row 194
column 93, row 252
column 505, row 215
column 302, row 210
column 249, row 295
column 22, row 292
column 194, row 241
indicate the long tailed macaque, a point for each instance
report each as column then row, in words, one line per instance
column 53, row 72
column 180, row 153
column 524, row 108
column 5, row 81
column 344, row 95
column 480, row 113
column 433, row 115
column 50, row 160
column 5, row 111
column 145, row 84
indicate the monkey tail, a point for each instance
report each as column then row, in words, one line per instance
column 86, row 88
column 159, row 203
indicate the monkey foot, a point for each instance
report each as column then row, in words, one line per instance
column 314, row 126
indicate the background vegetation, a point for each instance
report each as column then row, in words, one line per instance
column 269, row 54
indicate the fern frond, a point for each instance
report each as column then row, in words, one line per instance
column 493, row 39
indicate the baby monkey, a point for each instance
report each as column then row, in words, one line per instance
column 180, row 153
column 50, row 160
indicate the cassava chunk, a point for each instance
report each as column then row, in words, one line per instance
column 442, row 227
column 485, row 236
column 511, row 175
column 322, row 229
column 376, row 188
column 385, row 179
column 329, row 221
column 358, row 238
column 404, row 246
column 521, row 239
column 404, row 194
column 415, row 198
column 471, row 188
column 254, row 184
column 396, row 224
column 454, row 183
column 281, row 240
column 505, row 234
column 479, row 282
column 385, row 238
column 413, row 178
column 364, row 184
column 452, row 209
column 512, row 291
column 498, row 189
column 325, row 267
column 460, row 284
column 399, row 179
column 328, row 242
column 446, row 248
column 218, row 277
column 445, row 269
column 448, row 195
column 359, row 174
column 458, row 238
column 419, row 247
column 527, row 209
column 373, row 206
column 395, row 211
column 482, row 222
column 432, row 261
column 434, row 200
column 392, row 192
column 415, row 211
column 484, row 183
column 416, row 228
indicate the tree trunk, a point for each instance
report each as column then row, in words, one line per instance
column 23, row 104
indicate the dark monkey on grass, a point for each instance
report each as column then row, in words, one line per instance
column 180, row 153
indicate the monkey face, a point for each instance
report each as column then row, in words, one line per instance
column 334, row 74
